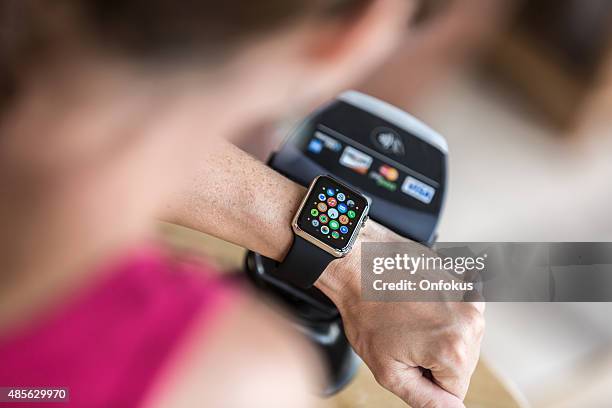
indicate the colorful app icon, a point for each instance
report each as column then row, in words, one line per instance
column 315, row 223
column 350, row 203
column 344, row 229
column 325, row 229
column 331, row 201
column 341, row 197
column 343, row 219
column 335, row 234
column 322, row 207
column 322, row 197
column 342, row 208
column 323, row 218
column 330, row 192
column 390, row 173
column 355, row 160
column 351, row 214
column 314, row 212
column 333, row 213
column 333, row 224
column 315, row 146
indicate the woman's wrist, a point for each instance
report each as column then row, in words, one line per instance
column 341, row 280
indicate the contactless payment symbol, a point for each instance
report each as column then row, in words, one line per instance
column 333, row 224
column 325, row 229
column 335, row 234
column 389, row 141
column 351, row 214
column 344, row 229
column 331, row 201
column 343, row 219
column 330, row 191
column 333, row 213
column 323, row 218
column 314, row 212
column 341, row 197
column 342, row 208
column 322, row 197
column 322, row 207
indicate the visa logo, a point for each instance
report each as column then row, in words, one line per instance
column 419, row 190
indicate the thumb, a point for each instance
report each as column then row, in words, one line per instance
column 419, row 391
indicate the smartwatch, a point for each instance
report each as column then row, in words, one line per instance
column 325, row 227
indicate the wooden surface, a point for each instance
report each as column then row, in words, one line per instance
column 487, row 388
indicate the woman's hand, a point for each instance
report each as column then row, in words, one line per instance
column 395, row 339
column 400, row 341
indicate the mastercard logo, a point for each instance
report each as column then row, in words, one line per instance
column 388, row 172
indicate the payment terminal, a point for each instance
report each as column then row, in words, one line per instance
column 387, row 155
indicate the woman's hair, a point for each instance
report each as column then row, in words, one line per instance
column 32, row 31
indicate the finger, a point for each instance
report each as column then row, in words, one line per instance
column 418, row 391
column 453, row 365
column 452, row 381
column 454, row 368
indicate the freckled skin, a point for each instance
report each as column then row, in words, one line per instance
column 394, row 339
column 255, row 212
column 96, row 147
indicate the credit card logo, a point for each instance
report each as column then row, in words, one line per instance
column 355, row 160
column 381, row 181
column 328, row 141
column 390, row 173
column 315, row 146
column 419, row 190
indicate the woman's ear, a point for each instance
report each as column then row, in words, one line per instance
column 343, row 49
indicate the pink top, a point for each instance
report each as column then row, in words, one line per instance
column 110, row 343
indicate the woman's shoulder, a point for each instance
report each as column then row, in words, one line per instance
column 120, row 331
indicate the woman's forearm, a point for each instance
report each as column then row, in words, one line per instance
column 237, row 198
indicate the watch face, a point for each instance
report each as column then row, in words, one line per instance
column 332, row 212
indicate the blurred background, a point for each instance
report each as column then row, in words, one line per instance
column 523, row 93
column 522, row 90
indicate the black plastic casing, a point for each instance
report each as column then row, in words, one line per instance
column 416, row 151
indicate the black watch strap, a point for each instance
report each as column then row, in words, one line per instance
column 303, row 264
